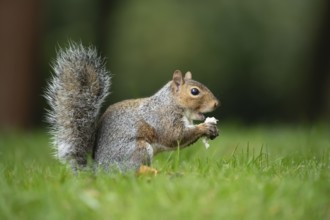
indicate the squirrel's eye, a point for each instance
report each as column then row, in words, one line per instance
column 194, row 91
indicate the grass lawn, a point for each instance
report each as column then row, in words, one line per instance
column 259, row 172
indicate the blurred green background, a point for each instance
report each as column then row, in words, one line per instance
column 267, row 61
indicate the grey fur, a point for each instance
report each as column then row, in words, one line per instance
column 79, row 85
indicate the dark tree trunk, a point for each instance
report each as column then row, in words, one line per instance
column 19, row 29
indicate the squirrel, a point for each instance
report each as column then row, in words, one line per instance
column 129, row 133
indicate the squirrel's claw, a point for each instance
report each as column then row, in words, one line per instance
column 211, row 130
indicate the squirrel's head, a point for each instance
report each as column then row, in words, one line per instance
column 193, row 96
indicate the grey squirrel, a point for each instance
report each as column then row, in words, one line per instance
column 130, row 132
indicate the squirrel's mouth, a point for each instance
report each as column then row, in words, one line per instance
column 201, row 116
column 196, row 115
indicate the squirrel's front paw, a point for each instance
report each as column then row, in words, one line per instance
column 210, row 130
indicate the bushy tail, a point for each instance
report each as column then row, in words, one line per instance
column 75, row 94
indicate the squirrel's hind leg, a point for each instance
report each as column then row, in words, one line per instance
column 143, row 156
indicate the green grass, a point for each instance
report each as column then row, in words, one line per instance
column 260, row 172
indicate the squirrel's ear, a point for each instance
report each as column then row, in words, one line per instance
column 188, row 75
column 177, row 79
